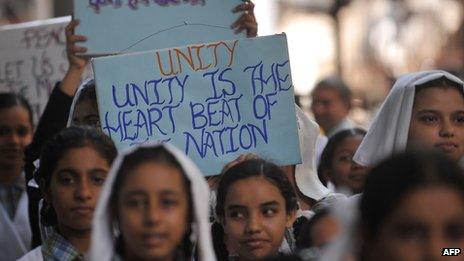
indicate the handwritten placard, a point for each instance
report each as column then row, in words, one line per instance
column 114, row 26
column 214, row 101
column 33, row 59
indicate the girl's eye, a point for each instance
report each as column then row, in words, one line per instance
column 136, row 203
column 93, row 122
column 428, row 119
column 459, row 119
column 411, row 232
column 98, row 180
column 454, row 232
column 168, row 203
column 23, row 131
column 345, row 158
column 237, row 215
column 66, row 180
column 269, row 212
column 4, row 131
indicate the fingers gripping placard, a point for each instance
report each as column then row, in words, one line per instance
column 115, row 26
column 33, row 59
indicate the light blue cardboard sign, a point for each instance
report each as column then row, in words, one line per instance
column 115, row 26
column 213, row 101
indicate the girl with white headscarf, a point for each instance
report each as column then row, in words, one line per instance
column 84, row 108
column 154, row 204
column 423, row 109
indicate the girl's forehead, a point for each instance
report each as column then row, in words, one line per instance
column 439, row 89
column 253, row 190
column 352, row 140
column 154, row 176
column 14, row 110
column 82, row 157
column 420, row 201
column 439, row 96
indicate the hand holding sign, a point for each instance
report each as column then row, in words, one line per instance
column 72, row 50
column 77, row 64
column 33, row 58
column 124, row 26
column 247, row 21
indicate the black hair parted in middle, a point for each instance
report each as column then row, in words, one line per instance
column 56, row 148
column 442, row 82
column 9, row 99
column 255, row 168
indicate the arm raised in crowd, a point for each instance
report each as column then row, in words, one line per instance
column 54, row 118
column 77, row 64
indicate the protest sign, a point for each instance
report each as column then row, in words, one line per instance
column 33, row 59
column 214, row 101
column 115, row 26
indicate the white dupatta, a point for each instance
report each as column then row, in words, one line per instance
column 306, row 176
column 388, row 133
column 102, row 242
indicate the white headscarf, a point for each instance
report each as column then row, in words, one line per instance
column 84, row 85
column 388, row 133
column 102, row 242
column 306, row 173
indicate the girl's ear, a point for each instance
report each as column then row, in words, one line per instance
column 221, row 221
column 291, row 217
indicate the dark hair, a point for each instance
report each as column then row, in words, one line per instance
column 328, row 153
column 157, row 155
column 55, row 149
column 220, row 248
column 9, row 99
column 255, row 168
column 441, row 82
column 88, row 92
column 337, row 84
column 394, row 178
column 303, row 239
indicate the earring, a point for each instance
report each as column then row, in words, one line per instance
column 116, row 230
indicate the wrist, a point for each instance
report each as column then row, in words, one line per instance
column 75, row 69
column 71, row 80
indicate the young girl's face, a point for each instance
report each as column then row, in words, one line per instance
column 153, row 211
column 86, row 113
column 437, row 121
column 344, row 172
column 255, row 218
column 75, row 187
column 425, row 221
column 15, row 135
column 325, row 231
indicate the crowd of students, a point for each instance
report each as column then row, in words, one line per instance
column 392, row 192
